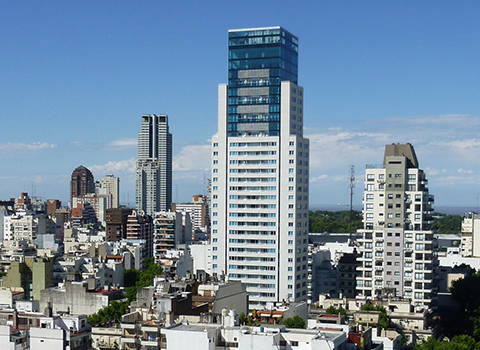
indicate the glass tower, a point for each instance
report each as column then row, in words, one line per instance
column 258, row 61
column 259, row 214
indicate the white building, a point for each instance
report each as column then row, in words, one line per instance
column 259, row 216
column 210, row 337
column 397, row 241
column 471, row 235
column 111, row 184
column 197, row 210
column 153, row 185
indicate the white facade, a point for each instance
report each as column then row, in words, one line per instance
column 397, row 243
column 471, row 235
column 112, row 186
column 260, row 205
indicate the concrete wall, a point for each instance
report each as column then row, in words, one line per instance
column 73, row 298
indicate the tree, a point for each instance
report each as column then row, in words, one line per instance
column 114, row 311
column 466, row 291
column 295, row 322
column 462, row 342
column 332, row 310
column 334, row 221
column 447, row 223
column 384, row 320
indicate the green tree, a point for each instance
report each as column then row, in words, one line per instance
column 466, row 291
column 334, row 221
column 447, row 223
column 462, row 342
column 384, row 320
column 295, row 322
column 332, row 310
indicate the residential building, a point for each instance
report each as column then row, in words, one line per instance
column 53, row 205
column 153, row 187
column 140, row 227
column 78, row 298
column 116, row 224
column 112, row 186
column 397, row 238
column 33, row 275
column 169, row 231
column 82, row 182
column 197, row 210
column 260, row 167
column 471, row 235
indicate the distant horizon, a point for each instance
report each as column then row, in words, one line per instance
column 449, row 210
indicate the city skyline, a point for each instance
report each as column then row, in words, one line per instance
column 374, row 73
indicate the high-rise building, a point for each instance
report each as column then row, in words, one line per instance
column 82, row 183
column 116, row 224
column 111, row 184
column 259, row 215
column 153, row 190
column 397, row 240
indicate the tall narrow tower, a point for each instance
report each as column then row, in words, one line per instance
column 259, row 215
column 153, row 190
column 81, row 183
column 397, row 243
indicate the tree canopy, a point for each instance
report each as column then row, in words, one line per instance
column 384, row 321
column 334, row 221
column 294, row 322
column 447, row 223
column 466, row 292
column 134, row 280
column 461, row 342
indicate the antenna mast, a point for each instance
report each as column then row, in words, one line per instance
column 351, row 185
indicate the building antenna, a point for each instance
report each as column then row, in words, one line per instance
column 351, row 185
column 176, row 193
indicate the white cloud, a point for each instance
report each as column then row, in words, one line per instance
column 319, row 178
column 122, row 143
column 113, row 167
column 462, row 171
column 193, row 158
column 25, row 147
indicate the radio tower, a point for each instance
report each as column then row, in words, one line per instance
column 351, row 185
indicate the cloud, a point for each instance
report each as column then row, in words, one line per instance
column 112, row 167
column 319, row 178
column 122, row 144
column 447, row 148
column 193, row 158
column 25, row 147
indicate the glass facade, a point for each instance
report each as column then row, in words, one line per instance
column 258, row 61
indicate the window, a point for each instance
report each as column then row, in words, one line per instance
column 370, row 177
column 369, row 197
column 370, row 187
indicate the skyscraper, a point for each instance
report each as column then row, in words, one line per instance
column 82, row 183
column 153, row 190
column 397, row 243
column 259, row 214
column 111, row 184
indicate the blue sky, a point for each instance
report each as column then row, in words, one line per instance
column 75, row 77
